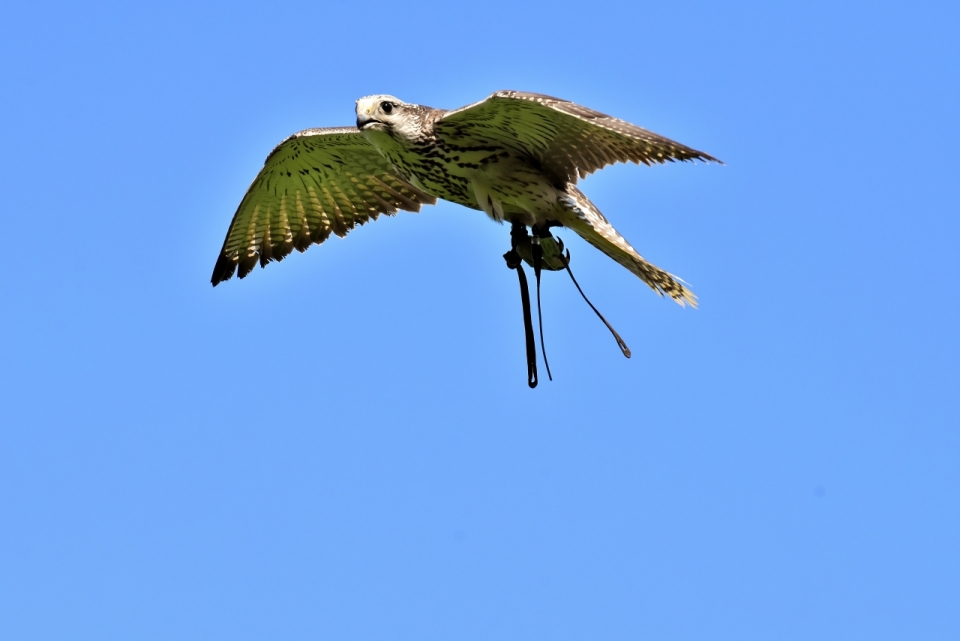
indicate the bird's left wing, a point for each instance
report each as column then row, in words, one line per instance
column 315, row 182
column 568, row 139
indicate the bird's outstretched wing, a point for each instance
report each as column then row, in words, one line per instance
column 568, row 139
column 315, row 182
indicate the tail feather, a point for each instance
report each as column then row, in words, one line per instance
column 583, row 217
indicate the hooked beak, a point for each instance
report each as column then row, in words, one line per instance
column 363, row 120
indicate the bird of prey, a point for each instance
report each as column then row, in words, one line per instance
column 515, row 156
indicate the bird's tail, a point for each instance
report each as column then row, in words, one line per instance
column 582, row 216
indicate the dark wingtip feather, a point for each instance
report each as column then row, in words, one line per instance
column 247, row 264
column 703, row 157
column 223, row 270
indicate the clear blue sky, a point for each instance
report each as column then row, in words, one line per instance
column 342, row 446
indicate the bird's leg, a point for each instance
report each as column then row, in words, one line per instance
column 550, row 247
column 543, row 229
column 525, row 247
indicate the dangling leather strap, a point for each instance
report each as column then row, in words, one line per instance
column 514, row 262
column 623, row 345
column 537, row 252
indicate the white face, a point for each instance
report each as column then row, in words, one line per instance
column 378, row 113
column 382, row 116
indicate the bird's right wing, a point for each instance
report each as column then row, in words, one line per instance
column 315, row 182
column 568, row 139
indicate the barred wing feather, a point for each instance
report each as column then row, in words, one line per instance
column 568, row 139
column 314, row 183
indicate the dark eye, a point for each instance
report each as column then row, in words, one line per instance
column 387, row 107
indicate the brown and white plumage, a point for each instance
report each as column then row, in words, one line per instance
column 516, row 156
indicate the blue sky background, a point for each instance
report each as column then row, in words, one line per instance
column 343, row 446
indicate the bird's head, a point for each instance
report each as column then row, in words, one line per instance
column 377, row 115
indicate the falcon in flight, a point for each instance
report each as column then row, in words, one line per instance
column 515, row 156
